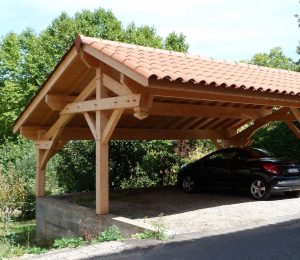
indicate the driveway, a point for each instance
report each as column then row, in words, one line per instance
column 202, row 212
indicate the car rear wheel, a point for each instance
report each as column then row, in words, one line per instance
column 259, row 189
column 188, row 184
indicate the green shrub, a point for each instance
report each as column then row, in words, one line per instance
column 68, row 242
column 111, row 234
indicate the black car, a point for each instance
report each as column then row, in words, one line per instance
column 252, row 169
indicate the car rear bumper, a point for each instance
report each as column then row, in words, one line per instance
column 285, row 185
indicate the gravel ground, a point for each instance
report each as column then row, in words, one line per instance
column 202, row 212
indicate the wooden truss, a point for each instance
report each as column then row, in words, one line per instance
column 117, row 107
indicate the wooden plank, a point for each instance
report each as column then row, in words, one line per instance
column 58, row 102
column 111, row 125
column 165, row 134
column 66, row 62
column 116, row 65
column 176, row 109
column 129, row 101
column 293, row 128
column 91, row 123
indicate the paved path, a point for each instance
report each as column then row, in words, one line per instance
column 276, row 241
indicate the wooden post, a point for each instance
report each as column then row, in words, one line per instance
column 102, row 193
column 40, row 173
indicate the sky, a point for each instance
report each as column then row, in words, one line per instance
column 223, row 29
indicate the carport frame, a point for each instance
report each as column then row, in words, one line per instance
column 115, row 90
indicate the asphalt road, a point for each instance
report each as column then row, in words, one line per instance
column 280, row 241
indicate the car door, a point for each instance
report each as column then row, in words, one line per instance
column 241, row 171
column 217, row 172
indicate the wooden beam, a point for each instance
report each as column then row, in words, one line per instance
column 296, row 113
column 176, row 109
column 245, row 135
column 111, row 125
column 91, row 123
column 129, row 101
column 66, row 62
column 40, row 173
column 293, row 128
column 165, row 134
column 222, row 94
column 65, row 118
column 102, row 193
column 141, row 112
column 115, row 86
column 116, row 65
column 58, row 102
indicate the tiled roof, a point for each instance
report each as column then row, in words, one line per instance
column 174, row 66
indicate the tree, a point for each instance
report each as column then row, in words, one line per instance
column 276, row 136
column 274, row 59
column 26, row 59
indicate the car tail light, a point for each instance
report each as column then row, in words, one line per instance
column 269, row 167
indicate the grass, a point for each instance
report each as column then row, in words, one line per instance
column 20, row 240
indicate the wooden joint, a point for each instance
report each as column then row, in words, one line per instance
column 58, row 102
column 44, row 145
column 88, row 60
column 142, row 111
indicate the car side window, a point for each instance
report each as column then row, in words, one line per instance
column 226, row 155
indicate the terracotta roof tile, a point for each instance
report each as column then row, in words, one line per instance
column 174, row 66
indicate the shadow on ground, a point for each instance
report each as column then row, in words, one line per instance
column 141, row 203
column 277, row 241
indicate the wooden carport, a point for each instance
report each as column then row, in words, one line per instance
column 104, row 90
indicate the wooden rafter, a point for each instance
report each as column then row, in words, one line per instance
column 66, row 62
column 296, row 113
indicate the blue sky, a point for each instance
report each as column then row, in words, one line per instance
column 226, row 29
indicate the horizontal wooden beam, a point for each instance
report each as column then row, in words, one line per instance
column 175, row 109
column 84, row 133
column 165, row 134
column 129, row 101
column 222, row 94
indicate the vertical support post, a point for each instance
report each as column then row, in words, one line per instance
column 40, row 171
column 102, row 193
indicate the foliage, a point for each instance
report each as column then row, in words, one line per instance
column 158, row 234
column 277, row 138
column 70, row 242
column 12, row 193
column 111, row 234
column 274, row 59
column 26, row 59
column 19, row 240
column 20, row 155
